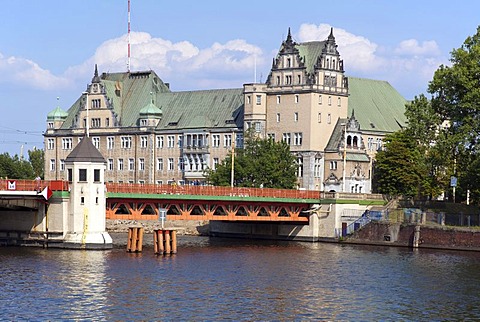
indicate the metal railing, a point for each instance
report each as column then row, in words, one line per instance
column 31, row 185
column 212, row 191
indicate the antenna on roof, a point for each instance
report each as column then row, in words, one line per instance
column 128, row 61
column 255, row 68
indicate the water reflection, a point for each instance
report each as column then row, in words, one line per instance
column 225, row 279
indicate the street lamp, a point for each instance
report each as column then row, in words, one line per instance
column 87, row 121
column 344, row 154
column 233, row 160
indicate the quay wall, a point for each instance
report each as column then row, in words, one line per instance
column 396, row 234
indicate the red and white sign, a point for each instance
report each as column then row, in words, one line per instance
column 11, row 185
column 46, row 193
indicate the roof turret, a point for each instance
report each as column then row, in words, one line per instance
column 57, row 114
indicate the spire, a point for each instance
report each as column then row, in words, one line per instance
column 289, row 44
column 331, row 37
column 330, row 44
column 289, row 36
column 95, row 78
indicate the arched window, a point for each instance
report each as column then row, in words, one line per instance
column 355, row 142
column 349, row 141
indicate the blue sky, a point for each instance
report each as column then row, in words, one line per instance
column 48, row 48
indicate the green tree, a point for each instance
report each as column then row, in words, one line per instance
column 261, row 163
column 15, row 167
column 399, row 169
column 36, row 158
column 456, row 103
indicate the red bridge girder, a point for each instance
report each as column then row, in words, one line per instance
column 148, row 209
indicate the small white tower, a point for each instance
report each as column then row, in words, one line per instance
column 86, row 223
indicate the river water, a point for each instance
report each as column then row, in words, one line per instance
column 212, row 279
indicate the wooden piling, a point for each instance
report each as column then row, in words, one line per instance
column 165, row 241
column 135, row 239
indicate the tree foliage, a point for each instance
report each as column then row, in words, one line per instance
column 18, row 168
column 261, row 163
column 399, row 169
column 446, row 128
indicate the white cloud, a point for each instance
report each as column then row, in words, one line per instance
column 412, row 47
column 410, row 63
column 27, row 73
column 173, row 62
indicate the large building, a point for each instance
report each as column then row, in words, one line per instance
column 149, row 134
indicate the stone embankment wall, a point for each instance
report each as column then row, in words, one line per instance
column 394, row 234
column 183, row 227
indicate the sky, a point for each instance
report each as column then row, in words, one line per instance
column 49, row 48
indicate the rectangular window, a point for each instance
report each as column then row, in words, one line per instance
column 259, row 99
column 62, row 165
column 143, row 122
column 126, row 142
column 249, row 100
column 96, row 122
column 120, row 164
column 258, row 127
column 300, row 167
column 296, row 98
column 271, row 136
column 96, row 175
column 319, row 118
column 107, row 122
column 159, row 164
column 286, row 138
column 70, row 175
column 370, row 144
column 171, row 164
column 131, row 164
column 143, row 141
column 215, row 140
column 333, row 165
column 297, row 138
column 52, row 164
column 160, row 142
column 295, row 116
column 227, row 140
column 67, row 143
column 320, row 99
column 329, row 118
column 180, row 141
column 215, row 163
column 239, row 140
column 82, row 175
column 141, row 164
column 50, row 144
column 329, row 100
column 278, row 117
column 110, row 165
column 171, row 141
column 96, row 142
column 110, row 142
column 278, row 99
column 339, row 102
column 317, row 170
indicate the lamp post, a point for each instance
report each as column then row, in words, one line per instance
column 87, row 125
column 344, row 155
column 233, row 160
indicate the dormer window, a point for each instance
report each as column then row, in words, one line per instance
column 143, row 122
column 289, row 62
column 96, row 103
column 50, row 125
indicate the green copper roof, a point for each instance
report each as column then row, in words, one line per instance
column 309, row 52
column 131, row 95
column 376, row 104
column 57, row 114
column 151, row 111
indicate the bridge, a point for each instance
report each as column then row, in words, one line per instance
column 282, row 213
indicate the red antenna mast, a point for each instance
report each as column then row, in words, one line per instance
column 128, row 62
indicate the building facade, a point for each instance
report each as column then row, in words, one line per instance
column 149, row 134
